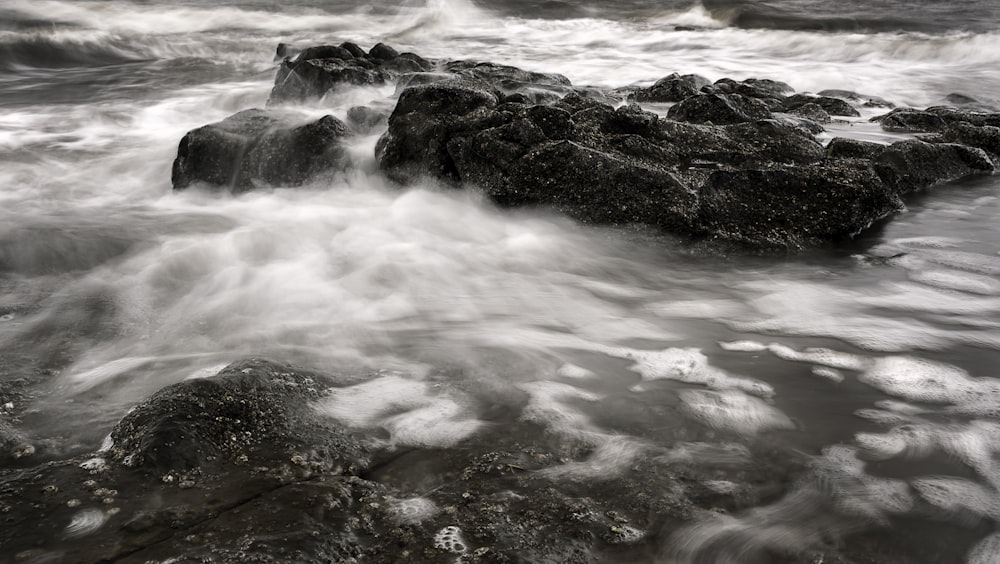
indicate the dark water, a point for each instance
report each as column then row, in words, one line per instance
column 112, row 287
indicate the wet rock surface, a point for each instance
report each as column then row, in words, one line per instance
column 259, row 148
column 239, row 467
column 528, row 138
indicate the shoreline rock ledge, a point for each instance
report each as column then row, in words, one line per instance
column 732, row 162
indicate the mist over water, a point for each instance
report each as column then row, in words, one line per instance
column 435, row 305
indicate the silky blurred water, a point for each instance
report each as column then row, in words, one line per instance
column 114, row 286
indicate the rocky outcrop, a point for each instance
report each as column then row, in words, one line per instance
column 316, row 71
column 752, row 183
column 238, row 467
column 789, row 206
column 734, row 161
column 259, row 147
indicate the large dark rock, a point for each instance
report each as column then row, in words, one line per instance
column 316, row 71
column 934, row 119
column 425, row 119
column 672, row 88
column 794, row 206
column 986, row 137
column 866, row 100
column 771, row 92
column 719, row 109
column 625, row 166
column 252, row 412
column 913, row 165
column 832, row 106
column 259, row 147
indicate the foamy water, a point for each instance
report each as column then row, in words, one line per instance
column 448, row 305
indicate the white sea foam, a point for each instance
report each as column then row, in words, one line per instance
column 411, row 411
column 923, row 380
column 958, row 280
column 411, row 511
column 85, row 522
column 955, row 494
column 450, row 539
column 574, row 372
column 733, row 411
column 986, row 551
column 688, row 365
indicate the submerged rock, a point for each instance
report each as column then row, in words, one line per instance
column 259, row 147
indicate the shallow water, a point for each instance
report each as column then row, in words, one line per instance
column 876, row 360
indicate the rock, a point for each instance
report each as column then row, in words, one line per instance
column 586, row 184
column 812, row 111
column 832, row 106
column 364, row 119
column 794, row 206
column 934, row 119
column 913, row 165
column 354, row 49
column 719, row 109
column 325, row 52
column 537, row 87
column 303, row 79
column 770, row 92
column 284, row 50
column 866, row 100
column 966, row 102
column 672, row 88
column 259, row 147
column 383, row 52
column 842, row 147
column 984, row 137
column 425, row 119
column 253, row 412
column 501, row 74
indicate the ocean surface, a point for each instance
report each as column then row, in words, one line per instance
column 877, row 360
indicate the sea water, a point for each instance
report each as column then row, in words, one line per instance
column 877, row 360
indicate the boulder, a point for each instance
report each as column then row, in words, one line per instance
column 719, row 109
column 813, row 112
column 787, row 206
column 913, row 165
column 866, row 100
column 832, row 106
column 934, row 119
column 363, row 119
column 253, row 412
column 986, row 137
column 316, row 71
column 259, row 147
column 672, row 88
column 304, row 79
column 770, row 92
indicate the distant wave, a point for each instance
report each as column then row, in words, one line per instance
column 66, row 49
column 855, row 16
